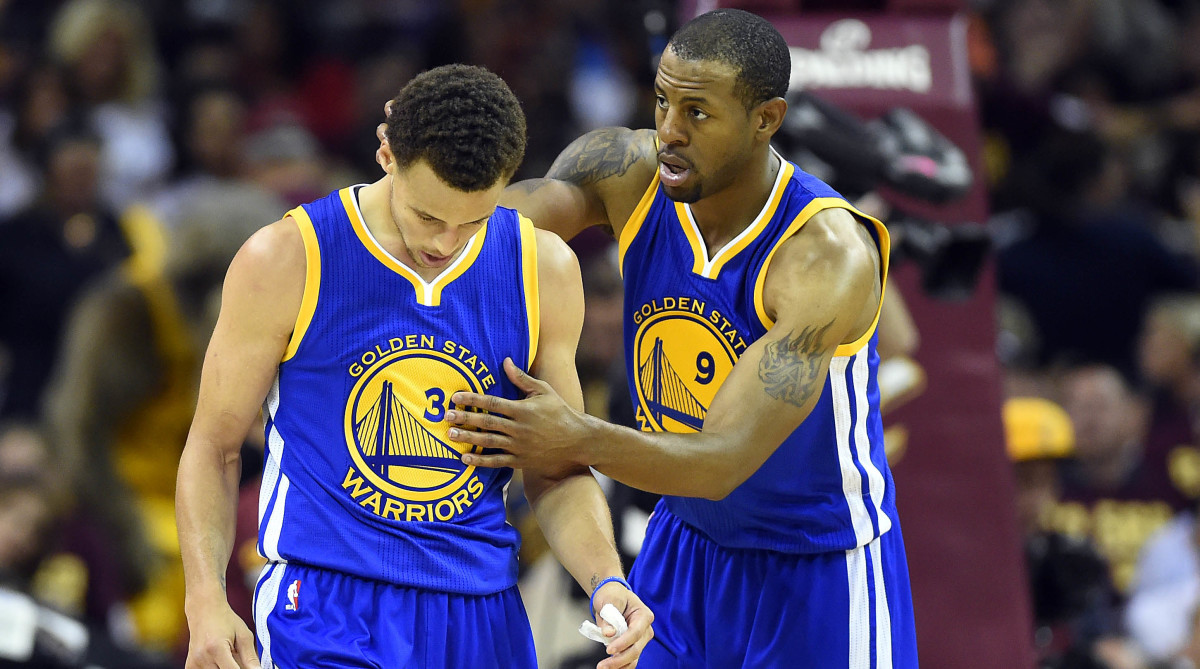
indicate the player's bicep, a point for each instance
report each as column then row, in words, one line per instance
column 561, row 318
column 821, row 291
column 260, row 301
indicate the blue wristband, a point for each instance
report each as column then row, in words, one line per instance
column 610, row 579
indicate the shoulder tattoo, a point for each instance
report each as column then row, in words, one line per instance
column 790, row 367
column 597, row 156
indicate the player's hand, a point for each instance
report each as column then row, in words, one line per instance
column 624, row 650
column 540, row 432
column 220, row 639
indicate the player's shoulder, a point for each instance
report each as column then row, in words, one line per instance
column 554, row 257
column 276, row 252
column 275, row 242
column 832, row 250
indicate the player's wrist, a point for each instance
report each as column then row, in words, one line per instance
column 200, row 606
column 591, row 447
column 603, row 582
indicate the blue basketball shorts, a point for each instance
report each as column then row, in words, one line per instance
column 726, row 608
column 307, row 617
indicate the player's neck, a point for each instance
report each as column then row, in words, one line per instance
column 725, row 214
column 374, row 200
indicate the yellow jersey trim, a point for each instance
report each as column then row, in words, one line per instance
column 428, row 293
column 529, row 274
column 312, row 280
column 147, row 240
column 146, row 269
column 634, row 224
column 711, row 268
column 803, row 217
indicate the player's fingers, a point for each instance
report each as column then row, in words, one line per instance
column 247, row 655
column 223, row 657
column 639, row 630
column 529, row 384
column 490, row 461
column 623, row 660
column 634, row 639
column 483, row 421
column 484, row 439
column 489, row 403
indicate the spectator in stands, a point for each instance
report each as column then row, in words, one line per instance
column 48, row 254
column 1075, row 606
column 108, row 48
column 1165, row 597
column 1084, row 228
column 1113, row 493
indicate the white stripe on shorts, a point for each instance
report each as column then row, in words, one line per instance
column 883, row 618
column 264, row 602
column 860, row 609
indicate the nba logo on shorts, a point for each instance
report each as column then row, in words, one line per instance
column 293, row 596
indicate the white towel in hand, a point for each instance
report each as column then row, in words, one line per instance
column 613, row 617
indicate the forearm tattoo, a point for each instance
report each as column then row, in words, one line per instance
column 597, row 156
column 790, row 367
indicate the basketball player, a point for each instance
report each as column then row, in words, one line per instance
column 357, row 317
column 752, row 293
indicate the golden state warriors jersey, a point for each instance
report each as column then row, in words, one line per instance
column 360, row 474
column 689, row 317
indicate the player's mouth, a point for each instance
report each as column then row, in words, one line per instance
column 673, row 170
column 434, row 261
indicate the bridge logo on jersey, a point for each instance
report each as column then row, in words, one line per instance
column 403, row 464
column 683, row 356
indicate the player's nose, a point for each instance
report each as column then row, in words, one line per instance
column 670, row 129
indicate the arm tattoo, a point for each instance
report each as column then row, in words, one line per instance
column 597, row 156
column 791, row 366
column 595, row 581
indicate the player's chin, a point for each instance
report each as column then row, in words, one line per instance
column 687, row 193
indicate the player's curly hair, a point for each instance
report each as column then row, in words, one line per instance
column 745, row 41
column 461, row 119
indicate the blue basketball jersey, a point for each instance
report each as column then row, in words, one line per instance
column 689, row 317
column 360, row 474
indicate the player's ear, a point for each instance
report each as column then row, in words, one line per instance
column 383, row 154
column 768, row 116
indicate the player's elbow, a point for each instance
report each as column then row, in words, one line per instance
column 723, row 481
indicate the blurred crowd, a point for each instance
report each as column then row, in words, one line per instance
column 1091, row 115
column 142, row 141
